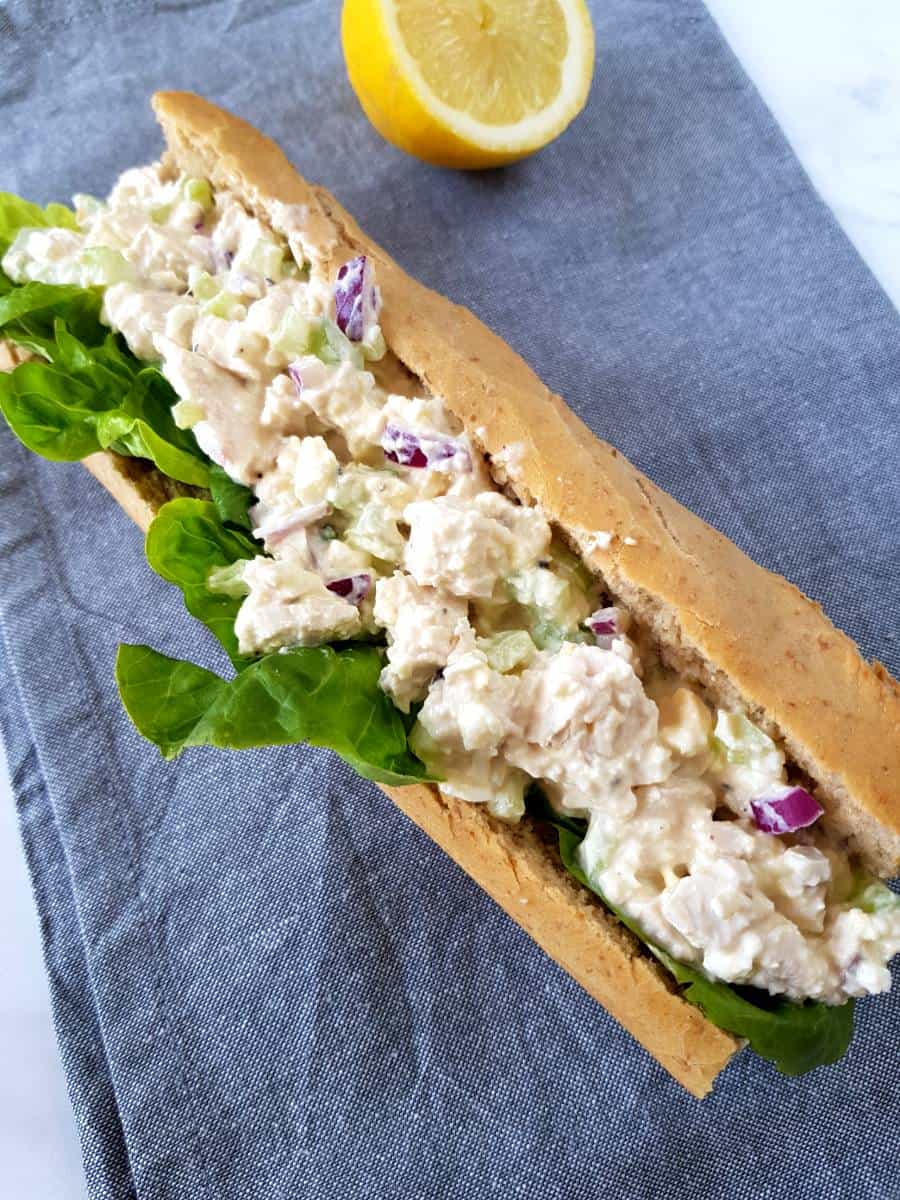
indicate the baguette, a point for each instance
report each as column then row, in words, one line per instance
column 745, row 636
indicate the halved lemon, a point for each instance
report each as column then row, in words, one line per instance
column 469, row 83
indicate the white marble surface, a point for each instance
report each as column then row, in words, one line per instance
column 830, row 72
column 39, row 1155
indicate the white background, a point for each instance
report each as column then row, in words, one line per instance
column 830, row 72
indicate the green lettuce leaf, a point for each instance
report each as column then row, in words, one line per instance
column 186, row 541
column 51, row 413
column 16, row 214
column 232, row 500
column 87, row 392
column 324, row 696
column 795, row 1037
column 29, row 311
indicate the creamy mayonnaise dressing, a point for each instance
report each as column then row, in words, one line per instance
column 378, row 516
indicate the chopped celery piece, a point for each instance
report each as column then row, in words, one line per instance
column 266, row 259
column 875, row 896
column 424, row 746
column 106, row 266
column 215, row 300
column 229, row 580
column 739, row 740
column 295, row 334
column 556, row 605
column 570, row 567
column 375, row 531
column 186, row 413
column 227, row 305
column 547, row 635
column 508, row 802
column 331, row 346
column 199, row 192
column 204, row 286
column 506, row 651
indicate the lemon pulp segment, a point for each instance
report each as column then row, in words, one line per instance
column 469, row 83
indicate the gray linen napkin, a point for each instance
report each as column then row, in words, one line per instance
column 267, row 983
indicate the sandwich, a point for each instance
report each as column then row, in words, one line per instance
column 660, row 759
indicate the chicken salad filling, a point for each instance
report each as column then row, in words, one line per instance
column 376, row 517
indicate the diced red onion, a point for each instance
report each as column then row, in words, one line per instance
column 352, row 588
column 357, row 301
column 296, row 377
column 403, row 447
column 422, row 450
column 604, row 622
column 220, row 260
column 439, row 451
column 274, row 532
column 785, row 809
column 307, row 372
